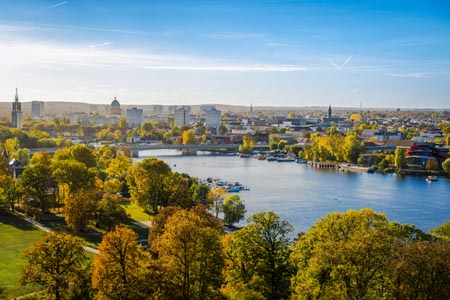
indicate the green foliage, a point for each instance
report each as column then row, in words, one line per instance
column 446, row 166
column 400, row 158
column 257, row 257
column 79, row 208
column 233, row 209
column 110, row 213
column 442, row 231
column 36, row 179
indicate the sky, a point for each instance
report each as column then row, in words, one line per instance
column 374, row 54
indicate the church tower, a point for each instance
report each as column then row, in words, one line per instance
column 16, row 113
column 329, row 111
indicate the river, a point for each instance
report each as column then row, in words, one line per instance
column 301, row 194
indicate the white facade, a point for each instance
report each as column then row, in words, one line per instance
column 182, row 116
column 213, row 119
column 37, row 109
column 134, row 117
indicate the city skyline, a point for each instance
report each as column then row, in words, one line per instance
column 266, row 53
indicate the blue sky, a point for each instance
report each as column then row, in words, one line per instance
column 262, row 52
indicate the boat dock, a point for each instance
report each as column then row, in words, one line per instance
column 322, row 165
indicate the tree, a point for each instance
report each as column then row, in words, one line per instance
column 421, row 270
column 188, row 137
column 247, row 144
column 257, row 257
column 79, row 208
column 146, row 182
column 343, row 256
column 216, row 196
column 55, row 264
column 110, row 212
column 351, row 148
column 189, row 251
column 120, row 269
column 233, row 209
column 84, row 155
column 11, row 191
column 74, row 174
column 35, row 179
column 442, row 231
column 400, row 158
column 118, row 166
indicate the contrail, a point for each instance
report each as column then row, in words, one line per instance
column 341, row 66
column 45, row 8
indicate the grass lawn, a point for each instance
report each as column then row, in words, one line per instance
column 137, row 213
column 16, row 236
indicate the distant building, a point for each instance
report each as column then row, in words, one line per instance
column 37, row 109
column 157, row 109
column 213, row 120
column 16, row 113
column 172, row 109
column 134, row 117
column 115, row 108
column 329, row 111
column 182, row 116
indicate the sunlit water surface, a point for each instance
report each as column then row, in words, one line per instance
column 301, row 194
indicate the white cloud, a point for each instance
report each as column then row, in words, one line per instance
column 45, row 8
column 409, row 75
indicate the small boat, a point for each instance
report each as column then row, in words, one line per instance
column 301, row 161
column 233, row 189
column 244, row 155
column 271, row 158
column 431, row 178
column 285, row 159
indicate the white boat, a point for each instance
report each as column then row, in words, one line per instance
column 431, row 178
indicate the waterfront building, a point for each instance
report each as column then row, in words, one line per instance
column 115, row 108
column 37, row 109
column 134, row 117
column 182, row 116
column 16, row 113
column 213, row 120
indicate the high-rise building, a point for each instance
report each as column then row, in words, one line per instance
column 157, row 109
column 172, row 109
column 213, row 120
column 16, row 113
column 182, row 116
column 37, row 109
column 134, row 117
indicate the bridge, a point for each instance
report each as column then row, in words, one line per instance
column 136, row 148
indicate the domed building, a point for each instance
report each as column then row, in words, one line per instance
column 115, row 108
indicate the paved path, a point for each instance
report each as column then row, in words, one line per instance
column 46, row 229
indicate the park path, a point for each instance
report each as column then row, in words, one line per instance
column 46, row 229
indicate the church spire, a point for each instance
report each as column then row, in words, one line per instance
column 17, row 95
column 329, row 111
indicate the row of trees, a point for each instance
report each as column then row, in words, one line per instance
column 351, row 255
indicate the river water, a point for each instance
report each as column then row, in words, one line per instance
column 302, row 194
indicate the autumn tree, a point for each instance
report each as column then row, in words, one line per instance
column 110, row 212
column 74, row 174
column 421, row 270
column 247, row 144
column 11, row 190
column 233, row 209
column 120, row 269
column 146, row 182
column 79, row 208
column 55, row 264
column 118, row 166
column 216, row 197
column 84, row 155
column 189, row 251
column 343, row 257
column 442, row 231
column 257, row 258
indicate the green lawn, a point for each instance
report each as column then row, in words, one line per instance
column 16, row 236
column 137, row 213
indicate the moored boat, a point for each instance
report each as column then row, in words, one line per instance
column 431, row 178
